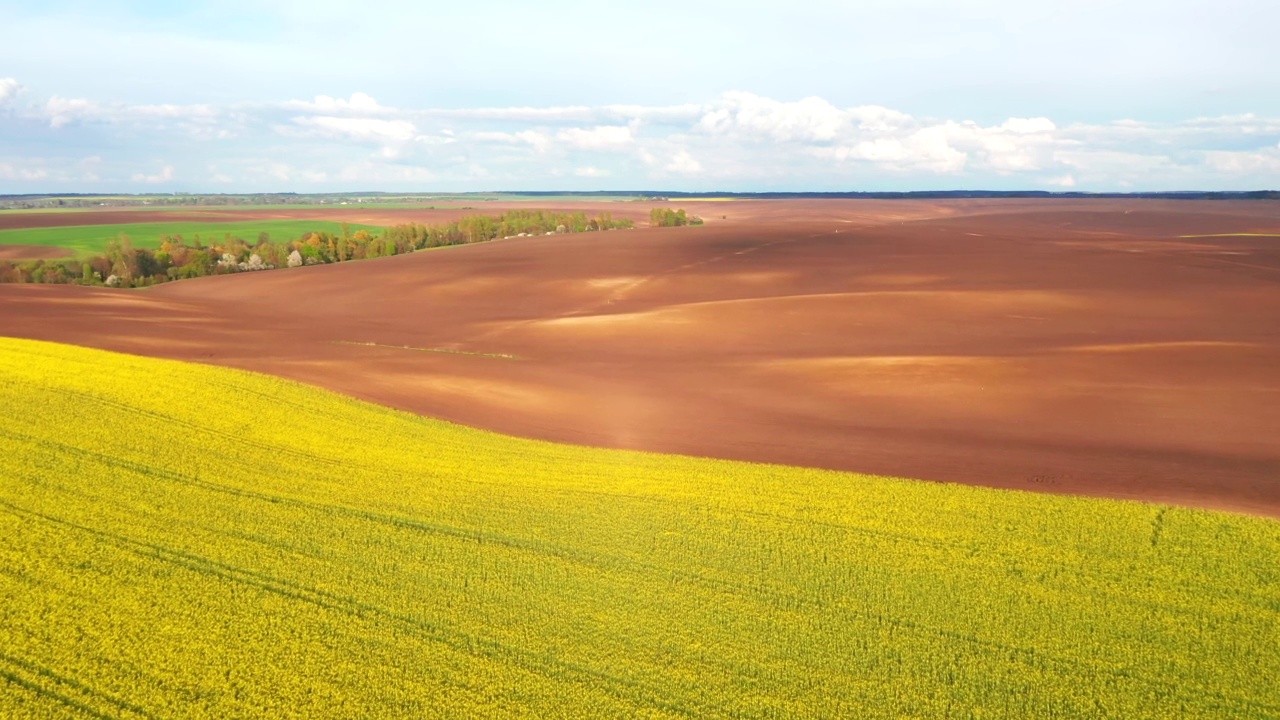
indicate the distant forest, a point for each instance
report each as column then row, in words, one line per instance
column 123, row 265
column 83, row 200
column 928, row 194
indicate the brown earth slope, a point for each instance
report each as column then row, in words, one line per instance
column 1065, row 346
column 32, row 252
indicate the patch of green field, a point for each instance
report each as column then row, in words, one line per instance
column 86, row 239
column 184, row 541
column 309, row 207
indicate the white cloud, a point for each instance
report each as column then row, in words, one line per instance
column 258, row 172
column 380, row 174
column 745, row 114
column 198, row 120
column 664, row 114
column 90, row 167
column 359, row 129
column 684, row 164
column 64, row 111
column 184, row 112
column 900, row 143
column 1017, row 145
column 393, row 137
column 1240, row 163
column 358, row 104
column 441, row 139
column 165, row 175
column 9, row 171
column 927, row 149
column 600, row 137
column 874, row 118
column 9, row 89
column 756, row 143
column 577, row 113
column 1246, row 124
column 1115, row 163
column 537, row 140
column 1029, row 126
column 882, row 136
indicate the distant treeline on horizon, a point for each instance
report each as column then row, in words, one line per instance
column 942, row 194
column 375, row 196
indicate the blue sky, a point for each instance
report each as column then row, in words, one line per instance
column 274, row 95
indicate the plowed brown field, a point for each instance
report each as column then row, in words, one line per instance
column 1064, row 346
column 31, row 252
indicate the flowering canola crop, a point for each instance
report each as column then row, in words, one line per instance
column 180, row 541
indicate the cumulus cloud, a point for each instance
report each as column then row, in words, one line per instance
column 518, row 114
column 663, row 114
column 358, row 104
column 443, row 138
column 1261, row 161
column 9, row 89
column 1117, row 163
column 90, row 169
column 394, row 137
column 928, row 149
column 898, row 142
column 684, row 164
column 185, row 112
column 359, row 129
column 64, row 111
column 877, row 119
column 267, row 171
column 202, row 120
column 881, row 136
column 165, row 175
column 745, row 114
column 756, row 142
column 601, row 137
column 9, row 171
column 1028, row 126
column 1018, row 144
column 537, row 140
column 379, row 174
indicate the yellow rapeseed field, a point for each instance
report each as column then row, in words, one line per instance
column 179, row 541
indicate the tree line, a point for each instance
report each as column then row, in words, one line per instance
column 666, row 217
column 176, row 258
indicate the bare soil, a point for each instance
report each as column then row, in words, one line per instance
column 1063, row 346
column 32, row 252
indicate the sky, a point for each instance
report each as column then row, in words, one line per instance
column 241, row 96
